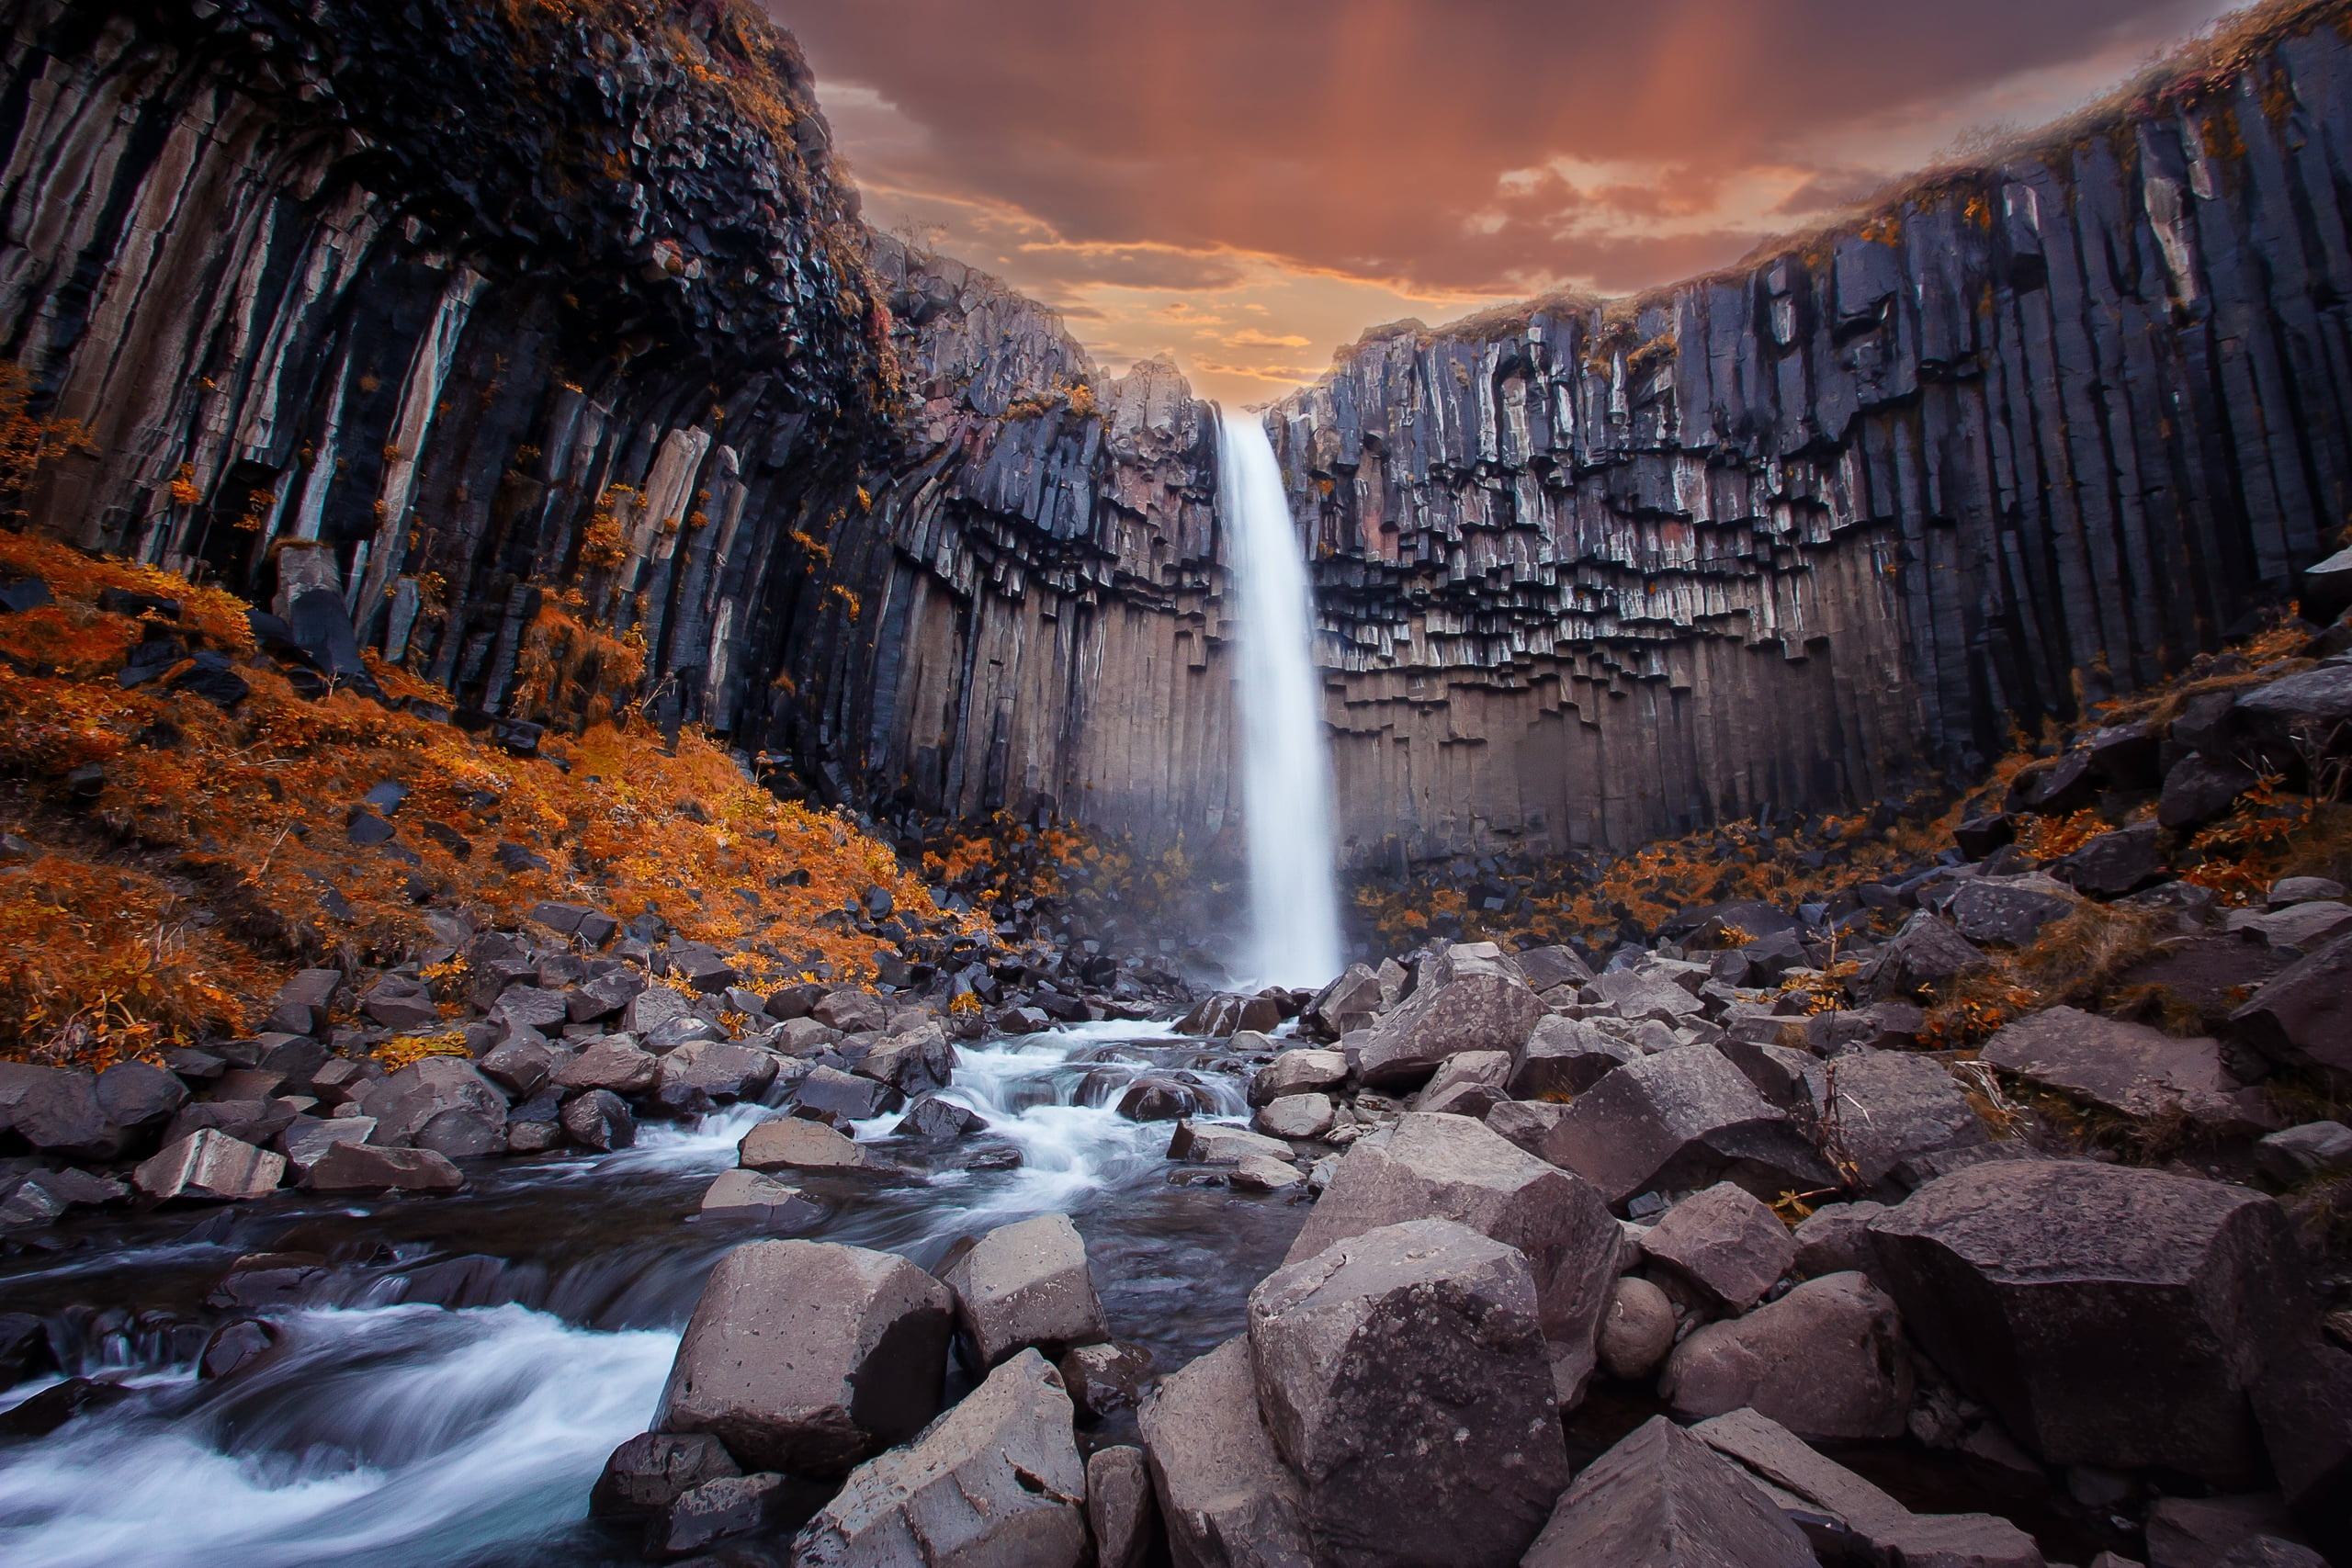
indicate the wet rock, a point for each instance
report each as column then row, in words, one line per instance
column 598, row 1120
column 1825, row 1360
column 1402, row 1372
column 1724, row 1242
column 2302, row 1015
column 1477, row 1011
column 2008, row 910
column 1022, row 1020
column 705, row 1515
column 996, row 1480
column 809, row 1356
column 1835, row 1239
column 914, row 1063
column 1209, row 1143
column 1120, row 1513
column 235, row 1347
column 697, row 1079
column 1469, row 1084
column 53, row 1406
column 137, row 1099
column 402, row 1102
column 462, row 1135
column 1565, row 1057
column 1636, row 1331
column 2202, row 1532
column 1663, row 1499
column 2114, row 864
column 1870, row 1111
column 793, row 1144
column 2110, row 1316
column 1295, row 1116
column 1926, row 951
column 1264, row 1173
column 1226, row 1013
column 2303, row 1404
column 1104, row 1378
column 653, row 1470
column 2124, row 1067
column 838, row 1098
column 1450, row 1168
column 355, row 1166
column 1021, row 1286
column 938, row 1121
column 25, row 1349
column 1682, row 1119
column 1224, row 1493
column 747, row 1194
column 612, row 1063
column 209, row 1165
column 525, row 1137
column 1298, row 1072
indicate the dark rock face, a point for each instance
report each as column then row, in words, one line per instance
column 1683, row 1117
column 1661, row 1499
column 1226, row 1497
column 2111, row 1315
column 1825, row 1360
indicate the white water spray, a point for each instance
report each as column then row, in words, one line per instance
column 1286, row 756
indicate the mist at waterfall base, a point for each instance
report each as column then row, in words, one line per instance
column 1285, row 756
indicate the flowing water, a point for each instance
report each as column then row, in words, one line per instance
column 1286, row 755
column 451, row 1374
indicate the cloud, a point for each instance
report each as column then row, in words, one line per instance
column 1250, row 337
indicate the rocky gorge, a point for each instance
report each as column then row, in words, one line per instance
column 616, row 791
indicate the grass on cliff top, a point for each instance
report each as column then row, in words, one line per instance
column 214, row 858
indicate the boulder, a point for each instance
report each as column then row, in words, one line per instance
column 1548, row 968
column 1449, row 1168
column 1926, row 951
column 705, row 1515
column 997, row 1480
column 2111, row 1315
column 1402, row 1372
column 1870, row 1111
column 2303, row 1404
column 402, row 1102
column 2204, row 1532
column 792, row 1143
column 209, row 1164
column 1637, row 1331
column 520, row 1063
column 351, row 1167
column 1210, row 1143
column 651, row 1007
column 1682, row 1119
column 914, row 1063
column 1295, row 1116
column 462, row 1135
column 936, row 1120
column 807, row 1355
column 1224, row 1493
column 2200, row 788
column 1526, row 1124
column 748, row 1195
column 137, row 1099
column 1264, row 1173
column 2299, row 1153
column 2114, row 864
column 1469, row 1084
column 1481, row 1011
column 598, row 1120
column 2125, row 1067
column 838, row 1098
column 1298, row 1072
column 56, row 1109
column 1120, row 1515
column 1663, row 1499
column 1155, row 1098
column 1565, row 1057
column 1104, row 1378
column 1825, row 1360
column 1725, row 1243
column 697, row 1079
column 653, row 1470
column 1350, row 1002
column 303, row 1002
column 1025, row 1285
column 2010, row 910
column 2302, row 1015
column 1835, row 1239
column 1637, row 996
column 2320, row 698
column 612, row 1062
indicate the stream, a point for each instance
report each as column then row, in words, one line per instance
column 452, row 1373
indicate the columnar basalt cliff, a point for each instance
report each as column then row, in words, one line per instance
column 1790, row 535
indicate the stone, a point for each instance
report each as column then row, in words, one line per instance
column 250, row 1120
column 598, row 1120
column 233, row 1347
column 520, row 1063
column 2008, row 910
column 2110, row 1316
column 697, row 1079
column 997, row 1480
column 1103, row 1377
column 1663, row 1499
column 1449, row 1168
column 1228, row 1499
column 1637, row 1330
column 2114, row 864
column 653, row 1470
column 2200, row 1532
column 1870, row 1111
column 612, row 1062
column 1298, row 1072
column 2303, row 1404
column 1351, row 1001
column 55, row 1110
column 710, row 1513
column 2302, row 1015
column 851, row 1010
column 1778, row 1072
column 2296, row 928
column 1263, row 1173
column 1209, row 1143
column 1120, row 1515
column 1155, row 1098
column 1724, row 1242
column 2125, row 1067
column 747, row 1194
column 1926, row 952
column 463, row 1134
column 1295, row 1116
column 2321, row 697
column 1526, row 1124
column 135, row 1098
column 402, row 1102
column 396, row 1002
column 1565, row 1057
column 792, row 1143
column 936, row 1120
column 1475, row 1013
column 1824, row 1361
column 2300, row 1152
column 2291, row 890
column 838, row 1098
column 2200, row 788
column 209, row 1164
column 807, row 1356
column 350, row 1167
column 1636, row 996
column 914, row 1063
column 1835, row 1239
column 1469, row 1084
column 1683, row 1119
column 303, row 1003
column 1025, row 1285
column 1548, row 968
column 307, row 1138
column 1403, row 1376
column 2269, row 1551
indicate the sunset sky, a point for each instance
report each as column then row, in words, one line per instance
column 1249, row 184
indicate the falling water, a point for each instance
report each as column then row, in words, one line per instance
column 1285, row 760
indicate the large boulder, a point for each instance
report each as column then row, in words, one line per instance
column 914, row 1063
column 2304, row 1406
column 1449, row 1168
column 1403, row 1373
column 1637, row 996
column 697, row 1079
column 1296, row 1116
column 1684, row 1118
column 2008, row 909
column 1663, row 1499
column 807, row 1355
column 997, row 1480
column 1469, row 1083
column 1021, row 1286
column 1224, row 1493
column 2125, row 1067
column 838, row 1098
column 2302, row 1015
column 1298, row 1072
column 2114, row 864
column 1471, row 1007
column 1825, row 1360
column 1870, row 1111
column 1565, row 1057
column 405, row 1101
column 1119, row 1512
column 1724, row 1242
column 792, row 1143
column 2111, row 1315
column 56, row 1109
column 209, row 1164
column 748, row 1195
column 653, row 1470
column 1926, row 951
column 353, row 1166
column 1350, row 1002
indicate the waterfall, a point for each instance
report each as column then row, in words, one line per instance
column 1286, row 757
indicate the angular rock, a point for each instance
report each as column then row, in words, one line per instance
column 1682, row 1119
column 209, row 1164
column 1350, row 1002
column 1663, row 1499
column 807, row 1356
column 1403, row 1376
column 653, row 1470
column 612, row 1062
column 1724, row 1242
column 1298, row 1072
column 838, row 1098
column 2125, row 1067
column 697, row 1079
column 851, row 1010
column 747, row 1194
column 2008, row 910
column 1208, row 1142
column 2302, row 1015
column 1469, row 1084
column 2296, row 928
column 1155, row 1099
column 462, row 1135
column 1870, row 1111
column 792, row 1143
column 1565, row 1057
column 1263, row 1173
column 1025, row 1285
column 2203, row 1532
column 913, row 1063
column 364, row 1168
column 1825, row 1360
column 1637, row 1330
column 1295, row 1116
column 1926, row 951
column 2303, row 1404
column 135, row 1098
column 997, row 1480
column 402, row 1102
column 1475, row 1013
column 1526, row 1124
column 235, row 1347
column 2114, row 864
column 598, row 1120
column 706, row 1515
column 1120, row 1515
column 2111, row 1315
column 1835, row 1239
column 1638, row 997
column 1225, row 1495
column 935, row 1119
column 1104, row 1378
column 2200, row 788
column 521, row 1064
column 2306, row 1151
column 56, row 1109
column 303, row 1002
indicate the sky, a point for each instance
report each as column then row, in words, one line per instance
column 1248, row 185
